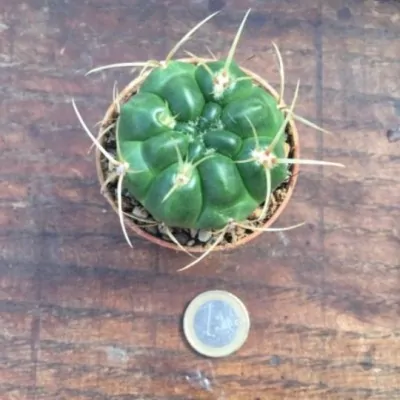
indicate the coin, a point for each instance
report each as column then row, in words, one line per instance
column 216, row 323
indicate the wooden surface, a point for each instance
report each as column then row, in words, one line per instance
column 84, row 317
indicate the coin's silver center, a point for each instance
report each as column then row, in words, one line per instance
column 216, row 323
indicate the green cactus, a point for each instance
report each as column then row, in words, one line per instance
column 201, row 145
column 187, row 141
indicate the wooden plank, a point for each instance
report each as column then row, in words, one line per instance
column 85, row 317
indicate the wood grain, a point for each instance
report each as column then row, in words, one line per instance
column 84, row 317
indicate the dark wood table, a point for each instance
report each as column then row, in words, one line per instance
column 84, row 317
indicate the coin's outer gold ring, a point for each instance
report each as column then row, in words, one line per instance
column 241, row 334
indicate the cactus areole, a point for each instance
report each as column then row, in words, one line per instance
column 196, row 140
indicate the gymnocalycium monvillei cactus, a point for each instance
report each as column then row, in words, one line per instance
column 200, row 145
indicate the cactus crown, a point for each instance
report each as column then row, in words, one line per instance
column 200, row 145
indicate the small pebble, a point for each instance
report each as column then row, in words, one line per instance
column 162, row 229
column 191, row 243
column 140, row 212
column 182, row 238
column 287, row 149
column 279, row 196
column 204, row 236
column 240, row 232
column 193, row 233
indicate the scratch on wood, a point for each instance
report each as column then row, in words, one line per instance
column 19, row 204
column 3, row 27
column 198, row 378
column 206, row 381
column 116, row 354
column 285, row 240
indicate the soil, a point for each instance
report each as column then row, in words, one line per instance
column 186, row 237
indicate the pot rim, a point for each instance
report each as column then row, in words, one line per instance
column 130, row 90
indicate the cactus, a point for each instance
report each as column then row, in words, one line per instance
column 200, row 145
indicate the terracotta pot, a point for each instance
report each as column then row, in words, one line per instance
column 131, row 89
